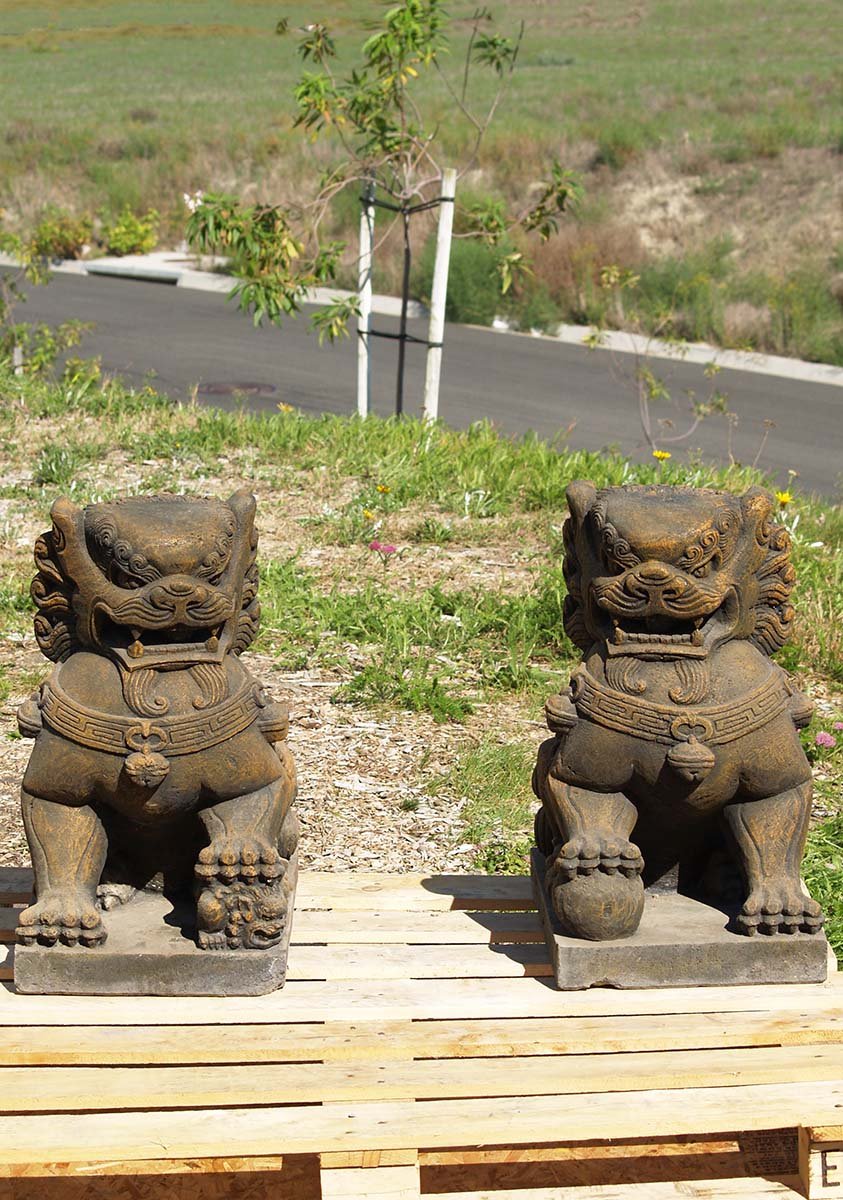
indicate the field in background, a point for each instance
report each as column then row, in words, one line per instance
column 417, row 675
column 709, row 139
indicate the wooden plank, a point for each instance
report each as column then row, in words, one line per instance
column 623, row 1150
column 153, row 1166
column 193, row 1179
column 418, row 962
column 369, row 1158
column 363, row 892
column 385, row 1183
column 360, row 1000
column 112, row 1045
column 820, row 1166
column 75, row 1089
column 452, row 927
column 411, row 1124
column 715, row 1189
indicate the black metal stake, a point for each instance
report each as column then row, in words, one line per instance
column 405, row 300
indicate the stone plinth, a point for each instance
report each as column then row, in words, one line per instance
column 680, row 942
column 150, row 951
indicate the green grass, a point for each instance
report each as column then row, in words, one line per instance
column 492, row 780
column 199, row 81
column 427, row 650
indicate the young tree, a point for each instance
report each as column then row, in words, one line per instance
column 387, row 145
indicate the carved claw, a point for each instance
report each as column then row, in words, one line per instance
column 68, row 918
column 779, row 908
column 595, row 852
column 248, row 860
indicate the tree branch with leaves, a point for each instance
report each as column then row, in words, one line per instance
column 375, row 114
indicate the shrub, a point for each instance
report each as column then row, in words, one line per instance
column 568, row 266
column 61, row 235
column 474, row 285
column 131, row 234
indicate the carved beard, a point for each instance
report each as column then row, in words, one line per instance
column 692, row 675
column 138, row 689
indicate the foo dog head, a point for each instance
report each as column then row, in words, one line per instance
column 150, row 581
column 669, row 573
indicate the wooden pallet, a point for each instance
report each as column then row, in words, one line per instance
column 419, row 1048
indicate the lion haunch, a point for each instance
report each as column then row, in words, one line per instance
column 159, row 761
column 676, row 748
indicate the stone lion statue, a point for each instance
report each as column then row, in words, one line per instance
column 675, row 752
column 159, row 762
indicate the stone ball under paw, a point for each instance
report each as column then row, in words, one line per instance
column 599, row 906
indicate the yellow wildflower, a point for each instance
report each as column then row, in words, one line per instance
column 285, row 408
column 661, row 455
column 368, row 514
column 384, row 488
column 784, row 498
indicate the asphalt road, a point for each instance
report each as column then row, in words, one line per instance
column 181, row 340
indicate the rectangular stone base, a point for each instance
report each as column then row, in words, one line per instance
column 680, row 943
column 150, row 952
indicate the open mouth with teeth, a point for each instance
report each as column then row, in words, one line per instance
column 661, row 636
column 178, row 642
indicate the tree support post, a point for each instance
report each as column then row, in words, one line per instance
column 364, row 290
column 436, row 328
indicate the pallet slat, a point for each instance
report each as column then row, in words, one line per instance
column 395, row 1040
column 410, row 1000
column 715, row 1189
column 410, row 1124
column 75, row 1089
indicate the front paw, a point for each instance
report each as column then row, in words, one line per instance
column 779, row 908
column 590, row 852
column 69, row 917
column 248, row 860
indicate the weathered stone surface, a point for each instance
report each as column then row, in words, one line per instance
column 680, row 942
column 151, row 951
column 675, row 753
column 160, row 764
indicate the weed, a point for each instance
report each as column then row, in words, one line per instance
column 408, row 682
column 432, row 531
column 58, row 465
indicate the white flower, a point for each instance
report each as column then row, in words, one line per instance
column 193, row 201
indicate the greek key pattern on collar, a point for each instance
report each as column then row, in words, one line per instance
column 715, row 725
column 169, row 736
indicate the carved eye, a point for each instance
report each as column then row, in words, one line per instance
column 704, row 569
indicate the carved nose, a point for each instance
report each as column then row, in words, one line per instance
column 181, row 586
column 653, row 573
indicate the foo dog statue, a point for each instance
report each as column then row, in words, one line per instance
column 159, row 762
column 675, row 750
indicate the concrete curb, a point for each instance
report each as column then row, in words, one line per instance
column 176, row 269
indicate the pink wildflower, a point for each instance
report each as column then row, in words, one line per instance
column 837, row 725
column 825, row 739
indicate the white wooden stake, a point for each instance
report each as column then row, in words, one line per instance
column 364, row 293
column 439, row 293
column 17, row 358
